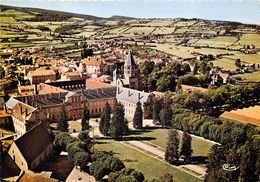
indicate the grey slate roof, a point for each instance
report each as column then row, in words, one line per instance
column 100, row 93
column 129, row 60
column 11, row 103
column 132, row 95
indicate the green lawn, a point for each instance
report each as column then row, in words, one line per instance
column 150, row 167
column 200, row 147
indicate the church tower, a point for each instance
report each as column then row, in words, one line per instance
column 129, row 66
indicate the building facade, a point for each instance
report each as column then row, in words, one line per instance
column 40, row 76
column 130, row 97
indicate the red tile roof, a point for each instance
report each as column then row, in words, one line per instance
column 93, row 61
column 94, row 85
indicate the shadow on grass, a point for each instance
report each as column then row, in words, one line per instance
column 144, row 130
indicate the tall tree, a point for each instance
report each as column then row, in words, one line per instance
column 186, row 150
column 156, row 111
column 247, row 164
column 118, row 125
column 216, row 160
column 171, row 153
column 166, row 114
column 62, row 124
column 105, row 118
column 138, row 116
column 85, row 119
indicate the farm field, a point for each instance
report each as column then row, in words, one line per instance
column 249, row 39
column 159, row 23
column 226, row 64
column 221, row 41
column 255, row 76
column 247, row 115
column 164, row 30
column 140, row 30
column 200, row 146
column 140, row 161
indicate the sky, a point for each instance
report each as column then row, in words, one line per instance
column 245, row 11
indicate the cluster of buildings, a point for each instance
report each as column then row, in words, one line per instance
column 34, row 106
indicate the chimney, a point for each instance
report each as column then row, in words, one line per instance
column 139, row 96
column 129, row 93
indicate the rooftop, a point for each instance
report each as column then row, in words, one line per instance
column 91, row 84
column 93, row 61
column 41, row 73
column 132, row 95
column 31, row 138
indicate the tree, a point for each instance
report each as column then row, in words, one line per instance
column 98, row 170
column 186, row 150
column 166, row 114
column 85, row 119
column 81, row 159
column 118, row 125
column 126, row 175
column 238, row 63
column 138, row 116
column 156, row 111
column 62, row 124
column 105, row 118
column 86, row 139
column 216, row 160
column 247, row 164
column 171, row 153
column 166, row 178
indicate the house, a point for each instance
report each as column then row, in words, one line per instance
column 129, row 98
column 94, row 65
column 24, row 116
column 127, row 75
column 40, row 76
column 32, row 149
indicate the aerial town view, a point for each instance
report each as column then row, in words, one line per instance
column 129, row 91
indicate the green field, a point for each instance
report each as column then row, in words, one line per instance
column 150, row 167
column 159, row 23
column 200, row 146
column 221, row 41
column 226, row 64
column 255, row 76
column 164, row 30
column 140, row 30
column 249, row 39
